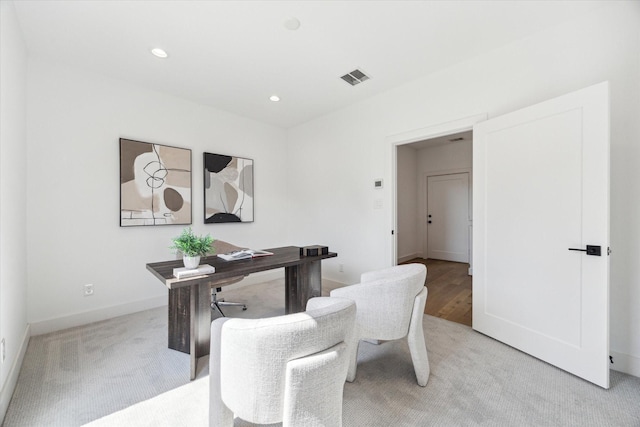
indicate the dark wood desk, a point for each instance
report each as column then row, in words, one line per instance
column 303, row 280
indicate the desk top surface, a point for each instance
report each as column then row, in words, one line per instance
column 287, row 256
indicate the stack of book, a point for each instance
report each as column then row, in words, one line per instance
column 202, row 269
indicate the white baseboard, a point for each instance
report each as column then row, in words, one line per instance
column 626, row 363
column 331, row 284
column 12, row 379
column 86, row 317
column 409, row 257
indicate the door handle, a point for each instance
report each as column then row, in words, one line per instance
column 591, row 250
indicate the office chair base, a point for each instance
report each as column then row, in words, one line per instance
column 222, row 302
column 216, row 303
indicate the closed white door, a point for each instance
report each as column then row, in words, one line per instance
column 541, row 198
column 448, row 217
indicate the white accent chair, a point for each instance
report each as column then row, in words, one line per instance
column 390, row 305
column 288, row 369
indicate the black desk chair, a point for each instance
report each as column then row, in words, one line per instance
column 222, row 247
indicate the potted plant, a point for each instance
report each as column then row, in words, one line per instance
column 192, row 247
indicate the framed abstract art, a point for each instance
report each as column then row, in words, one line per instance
column 228, row 189
column 155, row 184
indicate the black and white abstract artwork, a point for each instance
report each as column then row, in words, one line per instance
column 228, row 189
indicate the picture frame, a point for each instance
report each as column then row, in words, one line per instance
column 155, row 184
column 228, row 188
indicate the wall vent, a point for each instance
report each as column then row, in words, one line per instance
column 355, row 77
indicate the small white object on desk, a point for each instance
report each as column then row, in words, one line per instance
column 243, row 254
column 183, row 272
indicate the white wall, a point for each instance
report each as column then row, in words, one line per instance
column 348, row 148
column 407, row 217
column 13, row 250
column 333, row 162
column 445, row 158
column 74, row 122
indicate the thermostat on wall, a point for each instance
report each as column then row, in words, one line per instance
column 377, row 183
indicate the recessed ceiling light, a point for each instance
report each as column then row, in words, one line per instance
column 274, row 98
column 159, row 52
column 292, row 24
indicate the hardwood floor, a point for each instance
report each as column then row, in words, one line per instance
column 449, row 286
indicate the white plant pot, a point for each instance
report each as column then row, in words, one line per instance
column 191, row 261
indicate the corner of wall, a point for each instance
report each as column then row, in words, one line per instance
column 14, row 328
column 409, row 257
column 625, row 363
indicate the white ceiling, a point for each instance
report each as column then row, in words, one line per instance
column 233, row 55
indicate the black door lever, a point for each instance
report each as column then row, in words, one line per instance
column 591, row 250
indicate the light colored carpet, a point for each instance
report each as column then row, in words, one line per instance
column 120, row 373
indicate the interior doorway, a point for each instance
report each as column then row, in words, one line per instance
column 435, row 229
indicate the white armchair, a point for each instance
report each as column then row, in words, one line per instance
column 288, row 369
column 390, row 305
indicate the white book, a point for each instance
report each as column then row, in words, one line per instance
column 243, row 254
column 184, row 272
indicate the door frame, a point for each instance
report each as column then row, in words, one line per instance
column 428, row 132
column 423, row 225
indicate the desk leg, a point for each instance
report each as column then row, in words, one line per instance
column 200, row 324
column 302, row 282
column 179, row 319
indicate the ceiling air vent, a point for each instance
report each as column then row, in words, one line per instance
column 355, row 77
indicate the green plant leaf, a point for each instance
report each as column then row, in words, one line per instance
column 189, row 244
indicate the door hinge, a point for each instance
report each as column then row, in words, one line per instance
column 609, row 251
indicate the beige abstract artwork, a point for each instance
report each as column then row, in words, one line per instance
column 155, row 184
